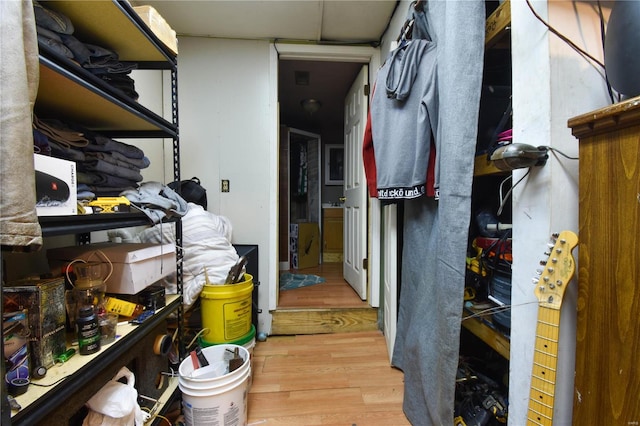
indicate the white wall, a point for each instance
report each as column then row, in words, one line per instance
column 551, row 83
column 224, row 104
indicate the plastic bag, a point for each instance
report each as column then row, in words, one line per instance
column 116, row 404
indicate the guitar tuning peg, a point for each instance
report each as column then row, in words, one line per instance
column 543, row 262
column 550, row 245
column 535, row 280
column 538, row 271
column 555, row 235
column 546, row 253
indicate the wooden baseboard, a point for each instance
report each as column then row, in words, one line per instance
column 318, row 321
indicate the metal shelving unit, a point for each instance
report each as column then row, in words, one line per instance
column 69, row 93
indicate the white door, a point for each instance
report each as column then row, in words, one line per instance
column 355, row 206
column 390, row 277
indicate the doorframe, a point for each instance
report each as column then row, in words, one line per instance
column 313, row 52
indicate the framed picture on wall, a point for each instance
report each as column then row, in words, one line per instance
column 333, row 164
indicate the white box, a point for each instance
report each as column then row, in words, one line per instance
column 56, row 186
column 135, row 265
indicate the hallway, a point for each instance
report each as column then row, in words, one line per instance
column 335, row 292
column 325, row 379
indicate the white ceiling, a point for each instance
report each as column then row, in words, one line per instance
column 331, row 21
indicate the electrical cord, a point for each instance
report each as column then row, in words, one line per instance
column 602, row 38
column 496, row 309
column 558, row 151
column 563, row 37
column 581, row 51
column 198, row 334
column 503, row 201
column 42, row 385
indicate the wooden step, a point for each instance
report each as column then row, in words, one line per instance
column 323, row 320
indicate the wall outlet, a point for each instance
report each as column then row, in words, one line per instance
column 225, row 185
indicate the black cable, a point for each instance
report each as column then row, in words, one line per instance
column 559, row 152
column 503, row 202
column 50, row 384
column 602, row 38
column 563, row 38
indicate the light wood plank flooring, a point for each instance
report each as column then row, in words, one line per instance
column 329, row 307
column 325, row 379
column 335, row 292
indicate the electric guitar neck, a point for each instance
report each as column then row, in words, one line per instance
column 559, row 268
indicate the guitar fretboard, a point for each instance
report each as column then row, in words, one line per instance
column 545, row 361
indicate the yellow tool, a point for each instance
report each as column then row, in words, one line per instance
column 469, row 293
column 110, row 205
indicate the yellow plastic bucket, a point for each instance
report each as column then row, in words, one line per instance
column 226, row 310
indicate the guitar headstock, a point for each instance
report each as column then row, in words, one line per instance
column 559, row 268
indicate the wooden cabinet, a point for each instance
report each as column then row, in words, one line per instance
column 332, row 234
column 607, row 379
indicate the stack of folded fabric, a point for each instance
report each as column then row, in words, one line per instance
column 105, row 167
column 55, row 35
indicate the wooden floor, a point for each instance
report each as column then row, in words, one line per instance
column 325, row 379
column 335, row 292
column 328, row 307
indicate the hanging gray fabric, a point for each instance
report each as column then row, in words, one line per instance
column 435, row 232
column 19, row 227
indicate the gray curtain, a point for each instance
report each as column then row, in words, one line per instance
column 19, row 226
column 435, row 231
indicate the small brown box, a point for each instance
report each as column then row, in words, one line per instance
column 304, row 245
column 44, row 301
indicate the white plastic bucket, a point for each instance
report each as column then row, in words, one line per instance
column 211, row 399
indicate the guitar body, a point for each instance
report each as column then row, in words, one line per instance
column 559, row 268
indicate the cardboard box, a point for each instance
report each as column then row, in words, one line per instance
column 304, row 246
column 135, row 265
column 56, row 186
column 15, row 338
column 158, row 26
column 44, row 302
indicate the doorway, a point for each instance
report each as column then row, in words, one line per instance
column 280, row 53
column 327, row 84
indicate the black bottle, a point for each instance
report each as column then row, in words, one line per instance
column 88, row 331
